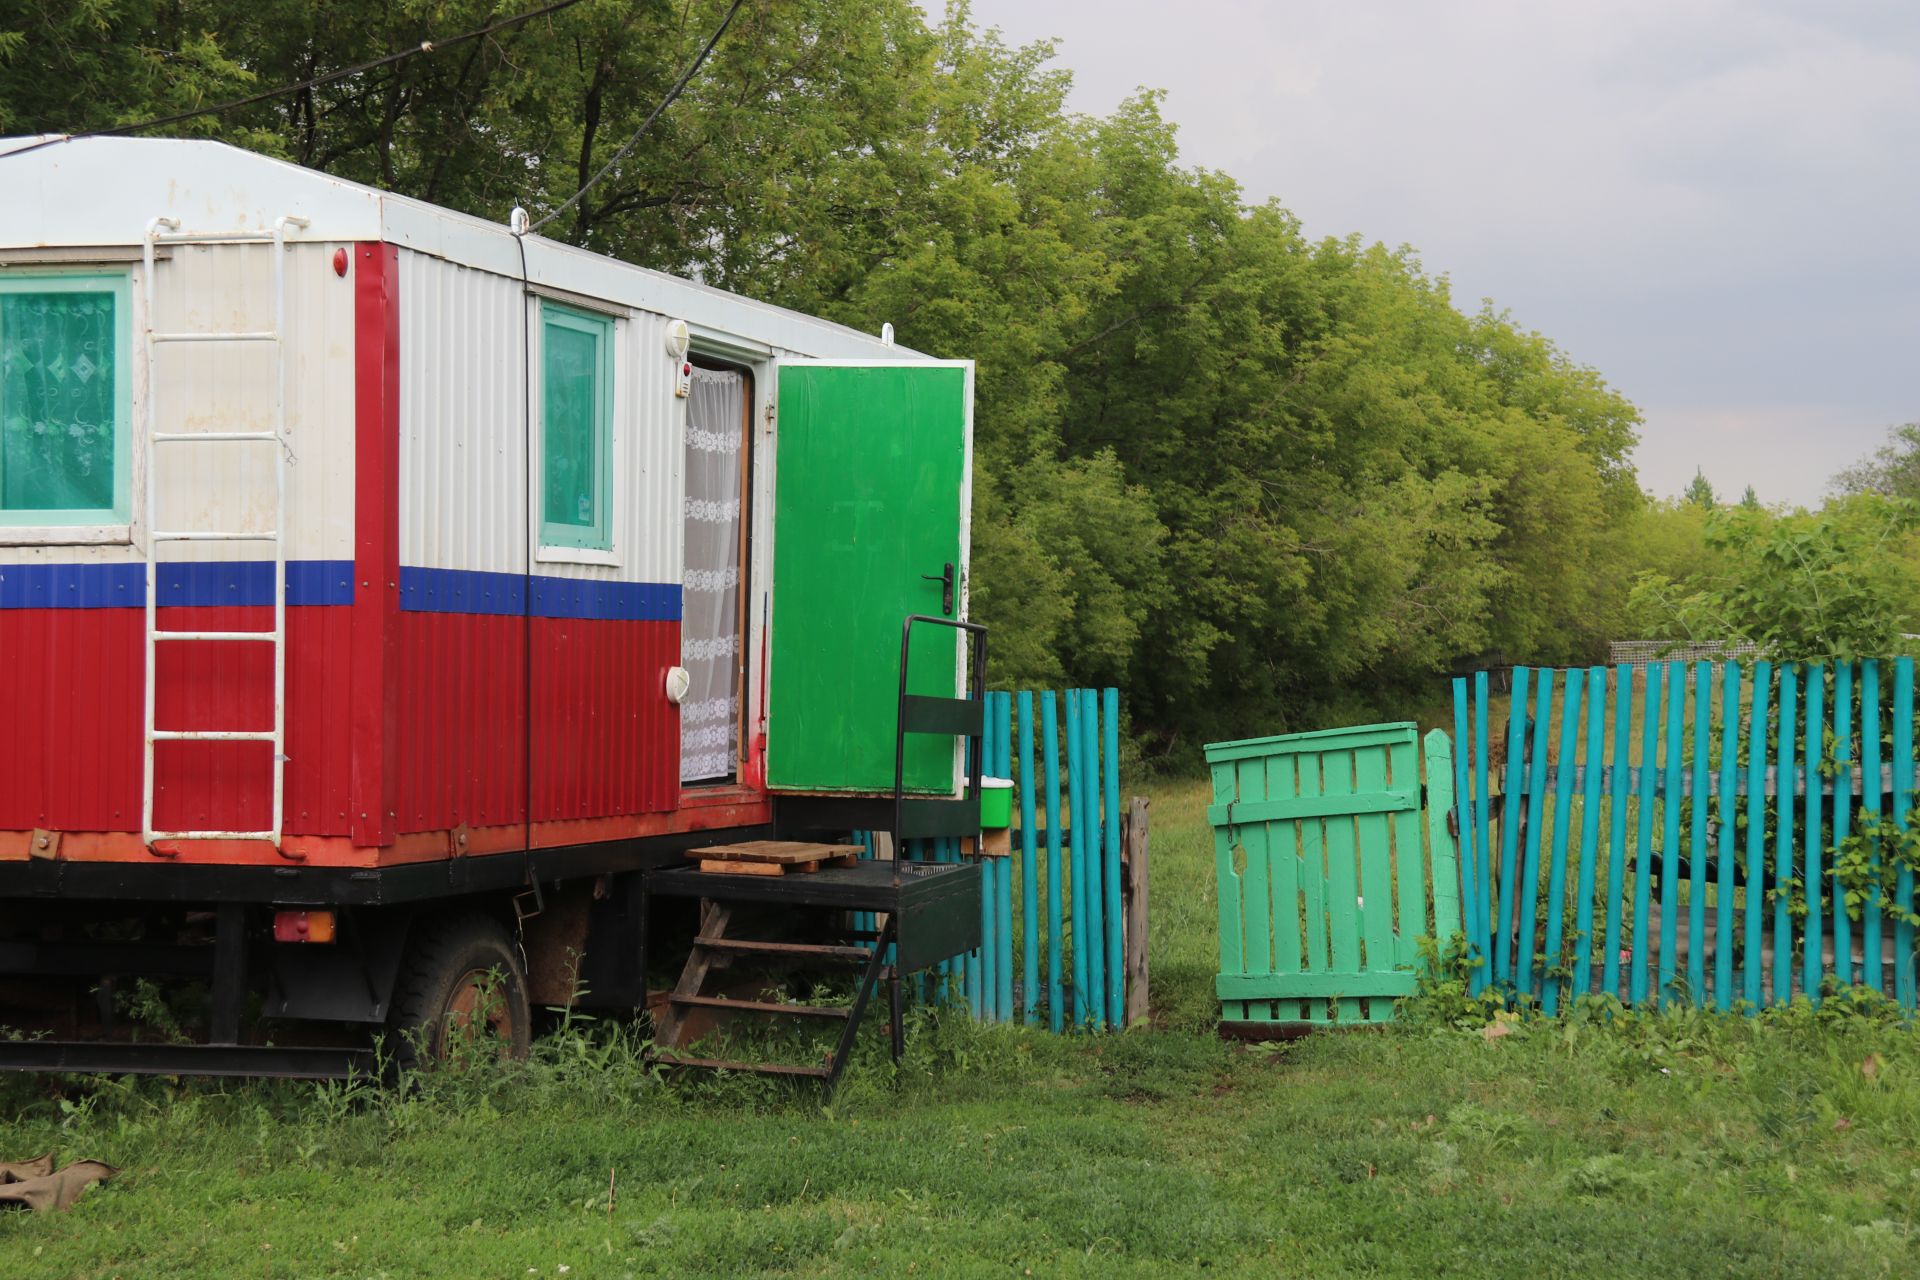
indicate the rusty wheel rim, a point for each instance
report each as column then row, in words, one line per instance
column 476, row 1009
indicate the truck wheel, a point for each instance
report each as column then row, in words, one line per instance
column 462, row 980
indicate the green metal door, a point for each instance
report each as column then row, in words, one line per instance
column 872, row 472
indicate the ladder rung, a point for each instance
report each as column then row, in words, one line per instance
column 797, row 950
column 758, row 1068
column 271, row 535
column 274, row 636
column 197, row 437
column 212, row 835
column 230, row 336
column 213, row 735
column 763, row 1006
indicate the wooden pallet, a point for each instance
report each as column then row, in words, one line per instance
column 774, row 857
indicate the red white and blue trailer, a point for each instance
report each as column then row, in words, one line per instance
column 383, row 588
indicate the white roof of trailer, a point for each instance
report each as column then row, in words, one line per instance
column 102, row 192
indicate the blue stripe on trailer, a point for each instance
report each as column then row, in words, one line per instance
column 182, row 584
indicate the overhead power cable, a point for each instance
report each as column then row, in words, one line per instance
column 424, row 47
column 673, row 93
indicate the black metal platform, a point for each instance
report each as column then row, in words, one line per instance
column 936, row 904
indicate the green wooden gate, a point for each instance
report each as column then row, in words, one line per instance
column 1324, row 876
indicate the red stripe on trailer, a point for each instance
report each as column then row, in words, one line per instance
column 374, row 710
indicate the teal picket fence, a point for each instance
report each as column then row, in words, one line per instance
column 1687, row 832
column 1056, row 905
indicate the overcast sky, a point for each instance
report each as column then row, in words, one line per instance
column 1715, row 203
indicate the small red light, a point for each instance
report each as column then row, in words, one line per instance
column 340, row 262
column 686, row 371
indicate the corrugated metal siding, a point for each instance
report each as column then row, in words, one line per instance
column 462, row 736
column 71, row 758
column 605, row 739
column 73, row 677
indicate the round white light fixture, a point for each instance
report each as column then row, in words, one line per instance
column 678, row 683
column 677, row 339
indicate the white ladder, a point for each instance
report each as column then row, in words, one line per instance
column 165, row 230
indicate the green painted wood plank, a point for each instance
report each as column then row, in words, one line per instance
column 1460, row 797
column 1283, row 782
column 1842, row 814
column 1550, row 985
column 1343, row 877
column 1671, row 809
column 1510, row 831
column 1443, row 850
column 1313, row 883
column 1902, row 805
column 1642, row 945
column 1729, row 832
column 1617, row 829
column 1756, row 833
column 1314, row 742
column 1534, row 838
column 1374, row 899
column 1266, row 809
column 1812, row 967
column 1029, row 869
column 1590, row 830
column 1256, row 889
column 1697, row 862
column 1410, row 862
column 1870, row 910
column 1783, row 815
column 1344, row 985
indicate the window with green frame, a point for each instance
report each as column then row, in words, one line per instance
column 576, row 371
column 65, row 395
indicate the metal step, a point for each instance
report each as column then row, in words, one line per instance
column 758, row 1068
column 763, row 1006
column 796, row 950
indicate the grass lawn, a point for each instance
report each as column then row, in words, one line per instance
column 1674, row 1145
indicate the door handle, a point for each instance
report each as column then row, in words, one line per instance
column 945, row 579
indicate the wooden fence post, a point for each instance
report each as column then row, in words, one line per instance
column 1133, row 873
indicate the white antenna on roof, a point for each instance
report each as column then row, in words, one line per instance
column 517, row 221
column 886, row 334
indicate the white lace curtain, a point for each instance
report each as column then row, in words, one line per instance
column 710, row 587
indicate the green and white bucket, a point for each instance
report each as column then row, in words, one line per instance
column 996, row 803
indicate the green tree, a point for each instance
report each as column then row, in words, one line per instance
column 1893, row 469
column 1700, row 491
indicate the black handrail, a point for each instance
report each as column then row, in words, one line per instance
column 976, row 685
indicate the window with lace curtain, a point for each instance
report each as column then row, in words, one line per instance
column 65, row 435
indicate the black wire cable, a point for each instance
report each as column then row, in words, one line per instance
column 646, row 124
column 425, row 46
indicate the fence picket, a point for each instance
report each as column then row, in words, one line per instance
column 1783, row 840
column 1562, row 822
column 1643, row 869
column 1482, row 810
column 1091, row 907
column 1902, row 801
column 1313, row 880
column 1029, row 871
column 1343, row 878
column 1756, row 830
column 1373, row 902
column 1533, row 839
column 1590, row 830
column 1842, row 814
column 1811, row 962
column 1505, row 887
column 1697, row 863
column 1870, row 967
column 1670, row 809
column 1050, row 753
column 1464, row 806
column 1617, row 826
column 1110, row 878
column 1729, row 830
column 1441, row 776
